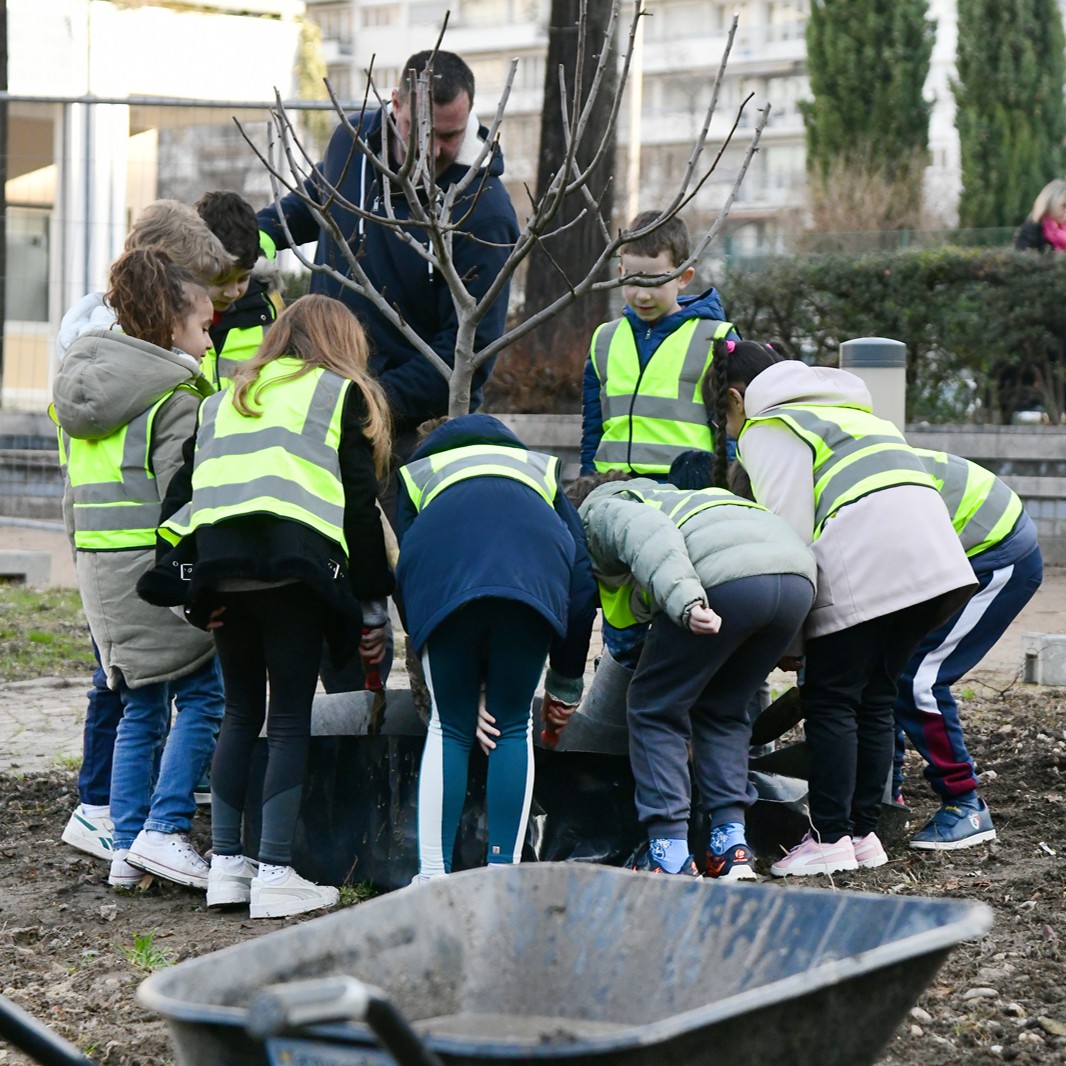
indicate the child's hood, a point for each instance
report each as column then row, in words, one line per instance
column 793, row 382
column 107, row 378
column 464, row 431
column 90, row 312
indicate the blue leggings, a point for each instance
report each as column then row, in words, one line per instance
column 501, row 645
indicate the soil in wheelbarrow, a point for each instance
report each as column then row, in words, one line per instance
column 72, row 951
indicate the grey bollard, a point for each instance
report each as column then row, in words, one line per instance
column 882, row 365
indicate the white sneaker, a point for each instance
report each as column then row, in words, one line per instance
column 228, row 884
column 291, row 895
column 810, row 856
column 869, row 851
column 121, row 874
column 90, row 833
column 171, row 857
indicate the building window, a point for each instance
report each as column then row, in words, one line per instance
column 380, row 15
column 26, row 284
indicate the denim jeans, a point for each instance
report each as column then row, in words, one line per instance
column 102, row 715
column 146, row 713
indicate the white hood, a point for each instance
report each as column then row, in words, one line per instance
column 791, row 381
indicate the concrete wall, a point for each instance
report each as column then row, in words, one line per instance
column 1031, row 459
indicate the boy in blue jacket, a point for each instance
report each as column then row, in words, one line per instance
column 642, row 404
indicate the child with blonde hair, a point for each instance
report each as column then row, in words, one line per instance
column 278, row 547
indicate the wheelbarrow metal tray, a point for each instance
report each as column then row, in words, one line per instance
column 576, row 963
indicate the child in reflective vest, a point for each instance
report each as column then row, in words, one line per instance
column 494, row 580
column 126, row 401
column 890, row 568
column 278, row 546
column 999, row 539
column 726, row 586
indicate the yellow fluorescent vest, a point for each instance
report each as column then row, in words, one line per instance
column 284, row 463
column 855, row 453
column 426, row 478
column 114, row 493
column 653, row 414
column 983, row 509
column 679, row 505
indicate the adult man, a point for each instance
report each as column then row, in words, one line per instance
column 416, row 391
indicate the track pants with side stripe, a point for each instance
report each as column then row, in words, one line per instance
column 500, row 644
column 1008, row 575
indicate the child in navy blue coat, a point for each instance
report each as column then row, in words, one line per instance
column 494, row 580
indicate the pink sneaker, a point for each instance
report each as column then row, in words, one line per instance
column 811, row 857
column 869, row 851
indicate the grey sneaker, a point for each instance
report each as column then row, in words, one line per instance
column 90, row 833
column 227, row 887
column 293, row 894
column 121, row 874
column 172, row 858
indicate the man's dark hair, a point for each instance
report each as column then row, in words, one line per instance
column 671, row 237
column 232, row 220
column 451, row 76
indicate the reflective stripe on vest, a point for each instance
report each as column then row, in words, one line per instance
column 855, row 454
column 427, row 478
column 652, row 414
column 679, row 505
column 114, row 493
column 983, row 509
column 240, row 346
column 284, row 463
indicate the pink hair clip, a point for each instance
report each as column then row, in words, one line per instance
column 729, row 346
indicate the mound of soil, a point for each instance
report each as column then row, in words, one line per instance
column 72, row 950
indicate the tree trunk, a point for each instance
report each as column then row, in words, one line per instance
column 573, row 250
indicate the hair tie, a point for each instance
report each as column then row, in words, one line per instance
column 729, row 346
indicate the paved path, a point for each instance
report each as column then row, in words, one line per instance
column 41, row 721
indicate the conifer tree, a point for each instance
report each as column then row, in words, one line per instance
column 1010, row 114
column 868, row 120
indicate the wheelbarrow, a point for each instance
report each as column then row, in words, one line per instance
column 572, row 963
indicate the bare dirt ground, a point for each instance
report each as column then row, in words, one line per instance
column 68, row 942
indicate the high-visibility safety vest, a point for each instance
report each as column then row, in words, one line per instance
column 679, row 505
column 653, row 413
column 983, row 509
column 241, row 344
column 427, row 478
column 114, row 492
column 855, row 454
column 284, row 463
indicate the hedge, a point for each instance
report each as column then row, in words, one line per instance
column 984, row 329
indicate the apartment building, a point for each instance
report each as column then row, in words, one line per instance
column 682, row 43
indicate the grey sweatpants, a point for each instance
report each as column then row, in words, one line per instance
column 694, row 688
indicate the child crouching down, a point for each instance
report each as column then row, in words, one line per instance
column 727, row 586
column 890, row 569
column 280, row 546
column 494, row 579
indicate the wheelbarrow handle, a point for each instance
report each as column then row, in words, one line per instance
column 23, row 1031
column 290, row 1006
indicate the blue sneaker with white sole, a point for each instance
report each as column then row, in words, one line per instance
column 960, row 823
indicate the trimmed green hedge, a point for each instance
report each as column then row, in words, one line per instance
column 984, row 329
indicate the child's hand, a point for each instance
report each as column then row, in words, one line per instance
column 485, row 729
column 214, row 620
column 703, row 620
column 372, row 644
column 555, row 714
column 791, row 663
